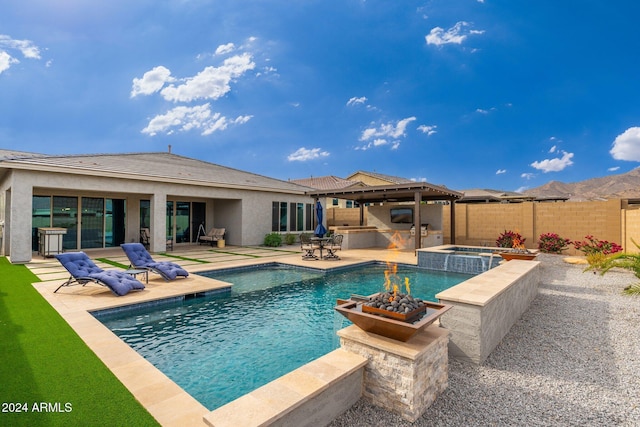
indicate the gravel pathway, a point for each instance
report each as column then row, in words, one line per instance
column 573, row 359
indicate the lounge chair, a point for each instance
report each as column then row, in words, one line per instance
column 212, row 236
column 140, row 258
column 83, row 270
column 333, row 245
column 308, row 247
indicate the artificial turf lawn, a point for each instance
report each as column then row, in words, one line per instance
column 43, row 362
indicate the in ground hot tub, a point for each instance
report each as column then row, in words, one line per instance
column 459, row 259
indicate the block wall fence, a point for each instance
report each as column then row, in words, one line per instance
column 480, row 224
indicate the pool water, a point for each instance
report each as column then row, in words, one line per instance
column 274, row 320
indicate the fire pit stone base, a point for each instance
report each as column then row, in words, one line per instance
column 402, row 377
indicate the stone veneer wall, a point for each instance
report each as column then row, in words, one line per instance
column 402, row 377
column 486, row 306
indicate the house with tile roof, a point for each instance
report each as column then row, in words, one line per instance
column 103, row 200
column 331, row 182
column 375, row 178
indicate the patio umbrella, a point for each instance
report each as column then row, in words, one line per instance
column 320, row 230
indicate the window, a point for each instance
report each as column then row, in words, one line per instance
column 169, row 229
column 283, row 216
column 65, row 215
column 40, row 217
column 308, row 224
column 275, row 216
column 145, row 213
column 92, row 222
column 297, row 222
column 183, row 213
column 114, row 222
column 299, row 216
column 335, row 202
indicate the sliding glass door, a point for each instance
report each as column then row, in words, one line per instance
column 65, row 215
column 92, row 223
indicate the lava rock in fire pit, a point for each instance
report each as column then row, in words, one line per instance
column 400, row 303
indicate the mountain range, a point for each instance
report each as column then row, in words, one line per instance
column 622, row 186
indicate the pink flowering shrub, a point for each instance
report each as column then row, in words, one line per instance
column 551, row 243
column 593, row 246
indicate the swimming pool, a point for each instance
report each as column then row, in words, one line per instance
column 272, row 321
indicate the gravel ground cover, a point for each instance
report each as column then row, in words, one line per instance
column 573, row 359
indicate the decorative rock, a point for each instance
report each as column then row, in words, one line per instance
column 400, row 303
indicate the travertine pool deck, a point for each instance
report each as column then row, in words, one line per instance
column 168, row 403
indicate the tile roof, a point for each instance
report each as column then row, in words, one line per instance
column 157, row 166
column 389, row 178
column 12, row 154
column 329, row 182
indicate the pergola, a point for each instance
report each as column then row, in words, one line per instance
column 415, row 191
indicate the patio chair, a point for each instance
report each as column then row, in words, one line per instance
column 213, row 235
column 140, row 258
column 145, row 237
column 333, row 245
column 83, row 270
column 308, row 247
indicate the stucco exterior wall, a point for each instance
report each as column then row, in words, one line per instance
column 245, row 213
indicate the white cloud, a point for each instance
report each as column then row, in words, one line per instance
column 626, row 146
column 151, row 81
column 225, row 48
column 6, row 61
column 501, row 171
column 210, row 83
column 554, row 165
column 387, row 130
column 185, row 118
column 613, row 169
column 7, row 45
column 385, row 134
column 26, row 47
column 553, row 149
column 354, row 100
column 303, row 154
column 482, row 111
column 522, row 189
column 429, row 130
column 420, row 179
column 456, row 34
column 527, row 175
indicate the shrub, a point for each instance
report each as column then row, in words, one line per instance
column 623, row 260
column 289, row 239
column 273, row 240
column 592, row 246
column 509, row 239
column 551, row 243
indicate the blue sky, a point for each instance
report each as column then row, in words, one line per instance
column 464, row 93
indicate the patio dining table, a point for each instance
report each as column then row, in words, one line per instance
column 320, row 241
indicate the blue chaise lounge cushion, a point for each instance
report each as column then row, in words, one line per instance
column 139, row 257
column 83, row 270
